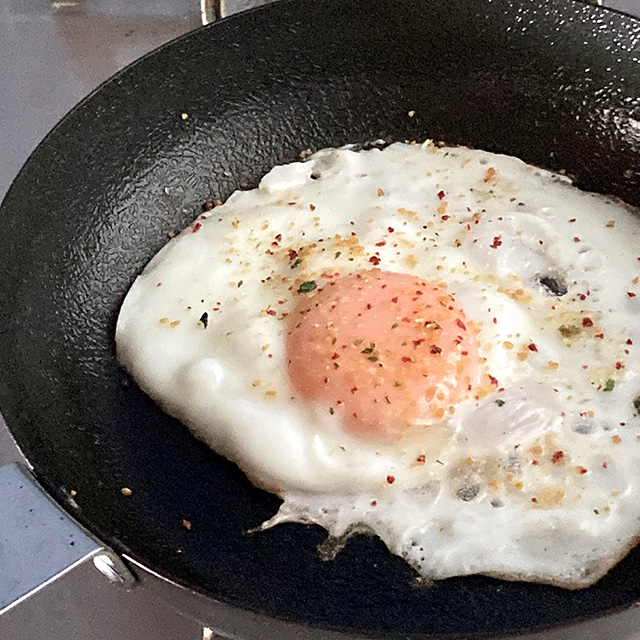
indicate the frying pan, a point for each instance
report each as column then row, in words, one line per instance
column 555, row 83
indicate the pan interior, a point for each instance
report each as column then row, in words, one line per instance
column 555, row 83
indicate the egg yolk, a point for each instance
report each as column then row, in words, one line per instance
column 382, row 350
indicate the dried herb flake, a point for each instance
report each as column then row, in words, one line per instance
column 308, row 286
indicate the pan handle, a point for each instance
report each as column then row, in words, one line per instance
column 40, row 544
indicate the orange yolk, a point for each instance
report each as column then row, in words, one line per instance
column 383, row 350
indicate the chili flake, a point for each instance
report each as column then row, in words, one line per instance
column 391, row 479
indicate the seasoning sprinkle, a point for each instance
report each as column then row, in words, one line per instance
column 308, row 286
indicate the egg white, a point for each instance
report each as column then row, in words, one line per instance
column 489, row 496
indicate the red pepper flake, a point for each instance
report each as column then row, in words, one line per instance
column 391, row 479
column 381, row 243
column 605, row 465
column 557, row 457
column 534, row 499
column 354, row 389
column 461, row 324
column 572, row 220
column 534, row 463
column 312, row 207
column 435, row 349
column 497, row 241
column 441, row 195
column 619, row 365
column 406, row 359
column 374, row 260
column 335, row 356
column 464, row 353
column 390, row 229
column 631, row 294
column 583, row 296
column 495, row 321
column 587, row 322
column 199, row 226
column 417, row 343
column 159, row 284
column 207, row 206
column 445, row 217
column 494, row 381
column 532, row 347
column 291, row 203
column 421, row 459
column 599, row 335
column 394, row 299
column 271, row 312
column 374, row 503
column 293, row 254
column 629, row 341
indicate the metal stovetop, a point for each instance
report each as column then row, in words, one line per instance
column 53, row 54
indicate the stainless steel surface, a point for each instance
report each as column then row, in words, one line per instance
column 54, row 53
column 38, row 541
column 42, row 553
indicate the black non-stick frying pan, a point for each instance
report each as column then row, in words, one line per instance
column 555, row 83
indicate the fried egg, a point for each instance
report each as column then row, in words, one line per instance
column 432, row 345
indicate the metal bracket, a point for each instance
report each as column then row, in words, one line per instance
column 40, row 543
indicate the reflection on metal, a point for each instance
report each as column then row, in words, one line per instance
column 207, row 634
column 211, row 10
column 112, row 568
column 65, row 4
column 41, row 544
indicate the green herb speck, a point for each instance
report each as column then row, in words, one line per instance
column 240, row 283
column 609, row 385
column 331, row 410
column 338, row 254
column 569, row 331
column 296, row 262
column 500, row 403
column 307, row 286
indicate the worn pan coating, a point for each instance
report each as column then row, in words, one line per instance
column 555, row 83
